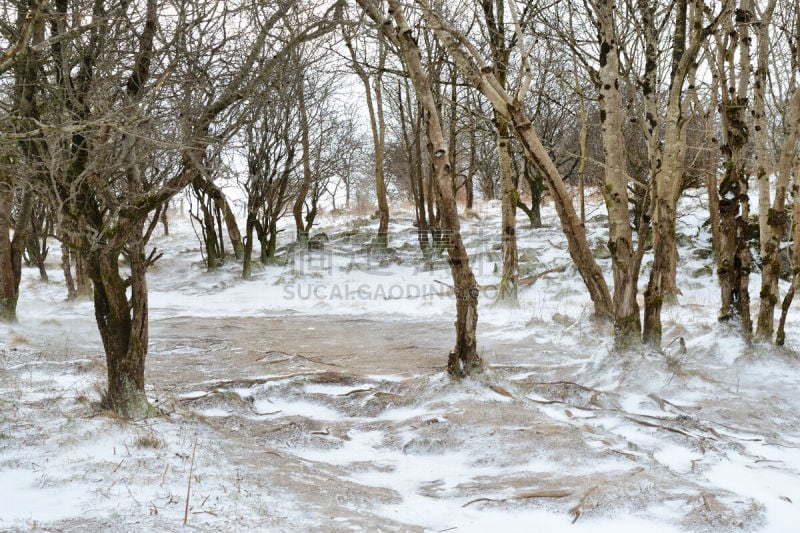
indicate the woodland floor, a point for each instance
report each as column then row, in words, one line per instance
column 336, row 417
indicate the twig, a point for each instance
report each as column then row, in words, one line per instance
column 132, row 496
column 445, row 284
column 357, row 391
column 523, row 282
column 189, row 483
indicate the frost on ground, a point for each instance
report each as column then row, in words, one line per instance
column 314, row 398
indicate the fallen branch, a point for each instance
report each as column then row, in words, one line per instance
column 679, row 431
column 525, row 496
column 249, row 382
column 527, row 280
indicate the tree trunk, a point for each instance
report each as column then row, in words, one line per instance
column 570, row 222
column 205, row 217
column 380, row 180
column 9, row 285
column 668, row 168
column 776, row 221
column 123, row 327
column 305, row 186
column 82, row 281
column 780, row 336
column 11, row 248
column 424, row 229
column 494, row 18
column 582, row 140
column 627, row 323
column 247, row 258
column 415, row 174
column 507, row 291
column 536, row 187
column 665, row 198
column 165, row 223
column 734, row 257
column 469, row 180
column 771, row 218
column 39, row 228
column 221, row 203
column 464, row 359
column 374, row 98
column 712, row 146
column 66, row 268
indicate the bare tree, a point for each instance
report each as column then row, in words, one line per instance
column 125, row 101
column 464, row 359
column 509, row 106
column 271, row 137
column 373, row 91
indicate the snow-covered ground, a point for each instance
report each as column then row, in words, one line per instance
column 313, row 397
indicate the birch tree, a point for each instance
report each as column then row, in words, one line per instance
column 625, row 269
column 669, row 163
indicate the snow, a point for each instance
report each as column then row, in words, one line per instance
column 313, row 397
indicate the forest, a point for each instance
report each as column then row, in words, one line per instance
column 267, row 227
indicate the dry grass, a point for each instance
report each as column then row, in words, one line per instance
column 18, row 339
column 148, row 439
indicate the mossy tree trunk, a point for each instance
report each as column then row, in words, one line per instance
column 772, row 217
column 733, row 260
column 668, row 169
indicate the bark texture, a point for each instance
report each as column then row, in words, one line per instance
column 627, row 322
column 733, row 261
column 772, row 217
